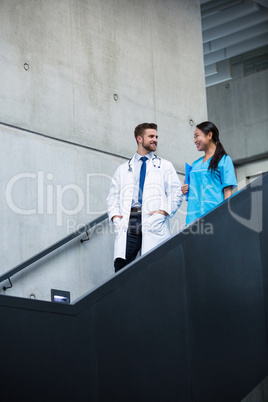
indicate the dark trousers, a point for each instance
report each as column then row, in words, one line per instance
column 134, row 236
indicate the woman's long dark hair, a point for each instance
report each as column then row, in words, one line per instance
column 206, row 127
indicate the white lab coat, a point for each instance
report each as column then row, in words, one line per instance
column 162, row 190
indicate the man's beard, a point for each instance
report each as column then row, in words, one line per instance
column 149, row 148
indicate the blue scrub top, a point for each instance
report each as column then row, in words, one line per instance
column 206, row 187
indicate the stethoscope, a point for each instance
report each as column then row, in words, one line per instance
column 156, row 162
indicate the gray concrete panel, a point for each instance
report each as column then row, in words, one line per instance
column 239, row 109
column 230, row 28
column 223, row 74
column 214, row 57
column 247, row 46
column 238, row 37
column 76, row 78
column 80, row 54
column 226, row 16
column 37, row 33
column 50, row 189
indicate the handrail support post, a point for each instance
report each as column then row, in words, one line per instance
column 86, row 239
column 8, row 287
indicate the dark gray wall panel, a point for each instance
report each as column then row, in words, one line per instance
column 226, row 308
column 186, row 322
column 141, row 339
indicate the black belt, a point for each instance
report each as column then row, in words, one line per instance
column 136, row 210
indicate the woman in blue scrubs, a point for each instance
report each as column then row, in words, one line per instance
column 212, row 177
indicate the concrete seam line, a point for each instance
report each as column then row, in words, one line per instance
column 68, row 142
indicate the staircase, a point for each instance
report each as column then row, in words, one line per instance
column 185, row 322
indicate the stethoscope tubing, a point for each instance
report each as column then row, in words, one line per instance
column 153, row 159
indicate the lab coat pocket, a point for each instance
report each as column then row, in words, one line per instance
column 156, row 224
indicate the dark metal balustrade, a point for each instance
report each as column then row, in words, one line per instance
column 186, row 322
column 50, row 249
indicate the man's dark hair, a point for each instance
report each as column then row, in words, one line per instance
column 139, row 130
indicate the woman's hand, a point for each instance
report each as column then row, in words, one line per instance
column 227, row 191
column 184, row 189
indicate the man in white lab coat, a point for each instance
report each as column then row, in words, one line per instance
column 145, row 193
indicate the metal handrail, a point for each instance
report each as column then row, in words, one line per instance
column 54, row 246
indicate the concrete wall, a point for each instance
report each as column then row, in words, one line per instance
column 76, row 78
column 248, row 172
column 49, row 189
column 239, row 109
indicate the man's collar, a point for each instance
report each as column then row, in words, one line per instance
column 149, row 156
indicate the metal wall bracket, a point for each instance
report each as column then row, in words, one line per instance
column 8, row 287
column 82, row 240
